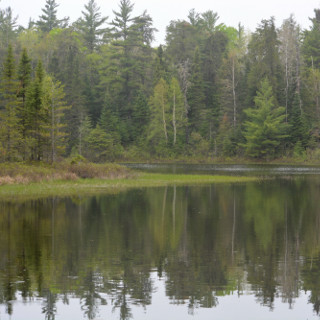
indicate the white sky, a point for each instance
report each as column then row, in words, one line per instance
column 231, row 12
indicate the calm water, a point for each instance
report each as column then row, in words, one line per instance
column 248, row 251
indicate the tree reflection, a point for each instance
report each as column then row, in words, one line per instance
column 203, row 242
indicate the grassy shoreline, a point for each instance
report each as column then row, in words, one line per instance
column 20, row 180
column 99, row 186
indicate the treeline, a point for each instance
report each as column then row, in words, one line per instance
column 97, row 88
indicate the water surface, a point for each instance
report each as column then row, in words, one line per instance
column 243, row 251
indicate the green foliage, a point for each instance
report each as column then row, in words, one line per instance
column 48, row 20
column 160, row 100
column 196, row 95
column 159, row 117
column 54, row 107
column 10, row 138
column 101, row 146
column 264, row 61
column 265, row 128
column 89, row 26
column 311, row 43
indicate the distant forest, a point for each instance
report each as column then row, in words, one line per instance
column 99, row 89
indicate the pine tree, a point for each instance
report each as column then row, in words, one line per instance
column 129, row 68
column 311, row 43
column 90, row 26
column 8, row 27
column 36, row 116
column 48, row 20
column 10, row 136
column 265, row 128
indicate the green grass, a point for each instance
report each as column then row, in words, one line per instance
column 94, row 186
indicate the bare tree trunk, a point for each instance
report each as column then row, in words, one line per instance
column 287, row 80
column 234, row 95
column 174, row 118
column 164, row 120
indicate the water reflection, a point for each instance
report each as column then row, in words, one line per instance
column 200, row 243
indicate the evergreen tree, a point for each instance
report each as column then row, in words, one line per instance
column 264, row 60
column 90, row 24
column 298, row 125
column 195, row 95
column 265, row 128
column 24, row 77
column 214, row 49
column 36, row 117
column 48, row 20
column 99, row 145
column 9, row 129
column 8, row 27
column 311, row 43
column 140, row 116
column 83, row 133
column 129, row 68
column 231, row 76
column 54, row 106
column 123, row 20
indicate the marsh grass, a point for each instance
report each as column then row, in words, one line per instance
column 101, row 186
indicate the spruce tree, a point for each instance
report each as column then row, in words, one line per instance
column 196, row 96
column 298, row 125
column 10, row 136
column 265, row 128
column 24, row 77
column 36, row 116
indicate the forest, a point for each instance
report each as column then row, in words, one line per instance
column 97, row 88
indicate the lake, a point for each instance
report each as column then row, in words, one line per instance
column 225, row 251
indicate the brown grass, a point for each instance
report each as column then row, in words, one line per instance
column 17, row 173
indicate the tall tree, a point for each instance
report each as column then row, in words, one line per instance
column 196, row 96
column 159, row 108
column 24, row 77
column 265, row 128
column 48, row 20
column 8, row 26
column 129, row 68
column 311, row 42
column 90, row 26
column 231, row 76
column 9, row 122
column 54, row 106
column 36, row 116
column 179, row 117
column 264, row 60
column 289, row 50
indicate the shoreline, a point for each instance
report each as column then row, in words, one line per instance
column 96, row 186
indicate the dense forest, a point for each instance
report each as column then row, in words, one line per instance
column 98, row 88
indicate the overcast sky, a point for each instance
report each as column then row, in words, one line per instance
column 231, row 12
